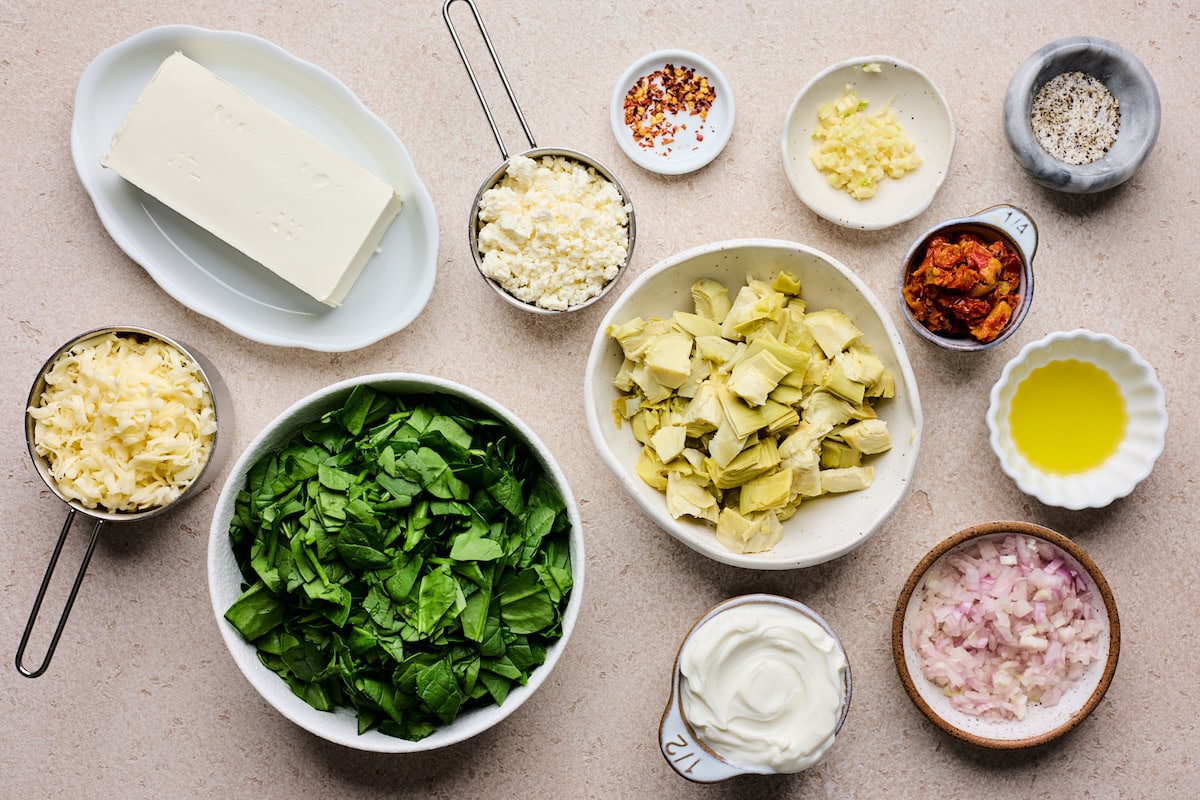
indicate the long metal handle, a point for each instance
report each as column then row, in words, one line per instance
column 41, row 595
column 474, row 82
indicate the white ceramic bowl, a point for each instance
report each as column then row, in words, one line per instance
column 1145, row 433
column 1042, row 723
column 922, row 112
column 826, row 527
column 689, row 151
column 224, row 578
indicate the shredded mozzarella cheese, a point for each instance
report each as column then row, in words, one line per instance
column 125, row 424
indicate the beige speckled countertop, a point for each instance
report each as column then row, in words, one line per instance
column 143, row 700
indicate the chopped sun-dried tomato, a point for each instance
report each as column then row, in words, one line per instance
column 965, row 287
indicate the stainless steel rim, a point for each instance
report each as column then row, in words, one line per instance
column 498, row 174
column 222, row 438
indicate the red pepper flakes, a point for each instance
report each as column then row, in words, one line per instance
column 668, row 91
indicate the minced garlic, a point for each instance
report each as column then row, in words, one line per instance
column 855, row 150
column 126, row 423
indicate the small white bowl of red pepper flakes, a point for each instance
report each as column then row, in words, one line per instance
column 672, row 112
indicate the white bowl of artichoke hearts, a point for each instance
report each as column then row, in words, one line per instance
column 754, row 398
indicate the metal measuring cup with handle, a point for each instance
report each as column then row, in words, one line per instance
column 534, row 152
column 219, row 450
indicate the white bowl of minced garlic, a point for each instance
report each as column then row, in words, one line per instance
column 867, row 142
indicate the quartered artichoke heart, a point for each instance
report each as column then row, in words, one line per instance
column 746, row 408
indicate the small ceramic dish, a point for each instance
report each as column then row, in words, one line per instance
column 683, row 142
column 226, row 581
column 1005, row 223
column 1041, row 723
column 1145, row 430
column 1123, row 75
column 923, row 114
column 685, row 752
column 826, row 527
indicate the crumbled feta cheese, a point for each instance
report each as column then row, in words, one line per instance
column 554, row 232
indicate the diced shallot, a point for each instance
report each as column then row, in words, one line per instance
column 1002, row 625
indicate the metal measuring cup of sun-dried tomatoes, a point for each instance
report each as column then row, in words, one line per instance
column 199, row 370
column 509, row 290
column 966, row 284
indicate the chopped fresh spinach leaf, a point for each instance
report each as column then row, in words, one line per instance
column 405, row 556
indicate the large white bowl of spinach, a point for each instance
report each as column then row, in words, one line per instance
column 396, row 563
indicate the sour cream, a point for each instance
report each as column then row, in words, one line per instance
column 763, row 684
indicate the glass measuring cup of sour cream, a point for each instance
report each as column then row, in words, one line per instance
column 761, row 685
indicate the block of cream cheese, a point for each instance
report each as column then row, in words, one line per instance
column 229, row 164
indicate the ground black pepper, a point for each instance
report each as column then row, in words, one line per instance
column 1075, row 118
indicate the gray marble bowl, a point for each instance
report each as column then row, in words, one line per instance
column 1128, row 80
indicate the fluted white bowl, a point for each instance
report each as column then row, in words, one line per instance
column 1145, row 432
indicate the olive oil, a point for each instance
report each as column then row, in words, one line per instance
column 1067, row 417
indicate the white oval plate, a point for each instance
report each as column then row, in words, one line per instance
column 923, row 114
column 693, row 147
column 203, row 272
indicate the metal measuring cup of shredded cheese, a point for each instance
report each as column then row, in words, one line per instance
column 218, row 452
column 535, row 153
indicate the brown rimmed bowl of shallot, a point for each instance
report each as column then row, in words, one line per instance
column 1006, row 635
